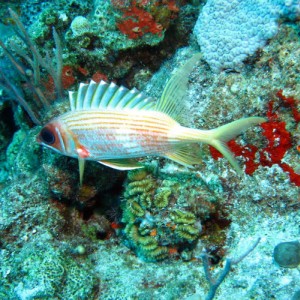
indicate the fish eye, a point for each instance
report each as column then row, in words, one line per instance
column 47, row 136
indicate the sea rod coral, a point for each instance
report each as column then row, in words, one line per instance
column 31, row 72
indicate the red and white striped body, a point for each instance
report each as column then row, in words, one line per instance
column 116, row 134
column 114, row 125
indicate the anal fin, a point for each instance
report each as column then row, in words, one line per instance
column 121, row 164
column 186, row 155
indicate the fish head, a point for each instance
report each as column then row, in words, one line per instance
column 57, row 137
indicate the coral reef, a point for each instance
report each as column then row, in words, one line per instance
column 256, row 92
column 142, row 17
column 44, row 269
column 93, row 45
column 62, row 175
column 229, row 31
column 250, row 279
column 229, row 262
column 157, row 222
column 35, row 227
column 119, row 28
column 28, row 61
column 60, row 241
column 80, row 25
column 138, row 22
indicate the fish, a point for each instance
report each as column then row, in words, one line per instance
column 116, row 126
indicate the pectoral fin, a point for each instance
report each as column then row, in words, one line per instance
column 121, row 164
column 81, row 163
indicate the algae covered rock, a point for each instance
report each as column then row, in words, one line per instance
column 63, row 178
column 42, row 269
column 287, row 254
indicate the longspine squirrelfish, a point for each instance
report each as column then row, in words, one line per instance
column 115, row 126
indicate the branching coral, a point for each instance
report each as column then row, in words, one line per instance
column 229, row 263
column 31, row 73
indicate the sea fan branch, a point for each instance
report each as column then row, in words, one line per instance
column 35, row 61
column 6, row 83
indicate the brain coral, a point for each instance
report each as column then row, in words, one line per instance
column 80, row 25
column 162, row 213
column 229, row 31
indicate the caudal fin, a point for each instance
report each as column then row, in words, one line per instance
column 219, row 136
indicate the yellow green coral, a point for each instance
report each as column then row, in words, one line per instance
column 187, row 232
column 140, row 188
column 155, row 224
column 161, row 198
column 182, row 217
column 145, row 246
column 135, row 208
column 137, row 174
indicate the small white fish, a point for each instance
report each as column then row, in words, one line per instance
column 116, row 126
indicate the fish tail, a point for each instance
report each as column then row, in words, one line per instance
column 219, row 136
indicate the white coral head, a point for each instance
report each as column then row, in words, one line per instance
column 80, row 25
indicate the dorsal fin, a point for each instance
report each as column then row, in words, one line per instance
column 108, row 96
column 172, row 101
